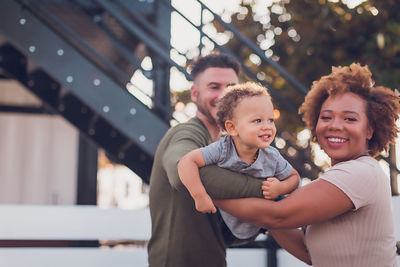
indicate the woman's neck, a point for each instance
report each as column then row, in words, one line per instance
column 334, row 162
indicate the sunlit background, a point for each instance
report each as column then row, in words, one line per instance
column 66, row 122
column 185, row 39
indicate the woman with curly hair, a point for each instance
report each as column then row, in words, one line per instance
column 346, row 213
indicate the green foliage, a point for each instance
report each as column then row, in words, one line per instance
column 307, row 38
column 328, row 34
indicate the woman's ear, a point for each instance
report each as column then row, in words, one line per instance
column 370, row 132
column 230, row 128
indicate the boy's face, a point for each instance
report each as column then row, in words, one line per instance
column 253, row 123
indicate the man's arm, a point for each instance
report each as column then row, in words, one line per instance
column 222, row 183
column 182, row 142
column 219, row 183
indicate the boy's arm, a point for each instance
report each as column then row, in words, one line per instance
column 272, row 187
column 188, row 170
column 291, row 182
column 219, row 182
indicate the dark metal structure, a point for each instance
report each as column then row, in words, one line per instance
column 65, row 52
column 83, row 54
column 78, row 56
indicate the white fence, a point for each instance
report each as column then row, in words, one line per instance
column 33, row 222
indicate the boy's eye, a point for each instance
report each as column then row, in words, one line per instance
column 271, row 120
column 257, row 121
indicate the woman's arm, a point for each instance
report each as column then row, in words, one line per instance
column 292, row 240
column 316, row 202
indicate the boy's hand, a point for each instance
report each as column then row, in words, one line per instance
column 271, row 188
column 205, row 204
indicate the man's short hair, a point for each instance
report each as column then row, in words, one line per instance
column 215, row 60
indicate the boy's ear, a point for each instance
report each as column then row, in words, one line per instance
column 230, row 128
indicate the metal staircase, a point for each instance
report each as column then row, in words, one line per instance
column 83, row 53
column 71, row 61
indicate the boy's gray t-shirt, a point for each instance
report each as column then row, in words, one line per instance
column 269, row 163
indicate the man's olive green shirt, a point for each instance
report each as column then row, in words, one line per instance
column 182, row 236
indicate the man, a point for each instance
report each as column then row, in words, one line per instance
column 181, row 236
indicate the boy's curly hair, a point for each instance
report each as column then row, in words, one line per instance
column 382, row 107
column 232, row 97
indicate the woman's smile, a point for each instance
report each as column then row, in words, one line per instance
column 336, row 141
column 342, row 128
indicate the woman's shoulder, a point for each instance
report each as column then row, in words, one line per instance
column 365, row 168
column 361, row 164
column 357, row 179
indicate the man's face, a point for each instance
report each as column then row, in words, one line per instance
column 208, row 87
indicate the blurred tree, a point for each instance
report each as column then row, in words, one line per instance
column 307, row 37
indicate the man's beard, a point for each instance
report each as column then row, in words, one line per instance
column 206, row 112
